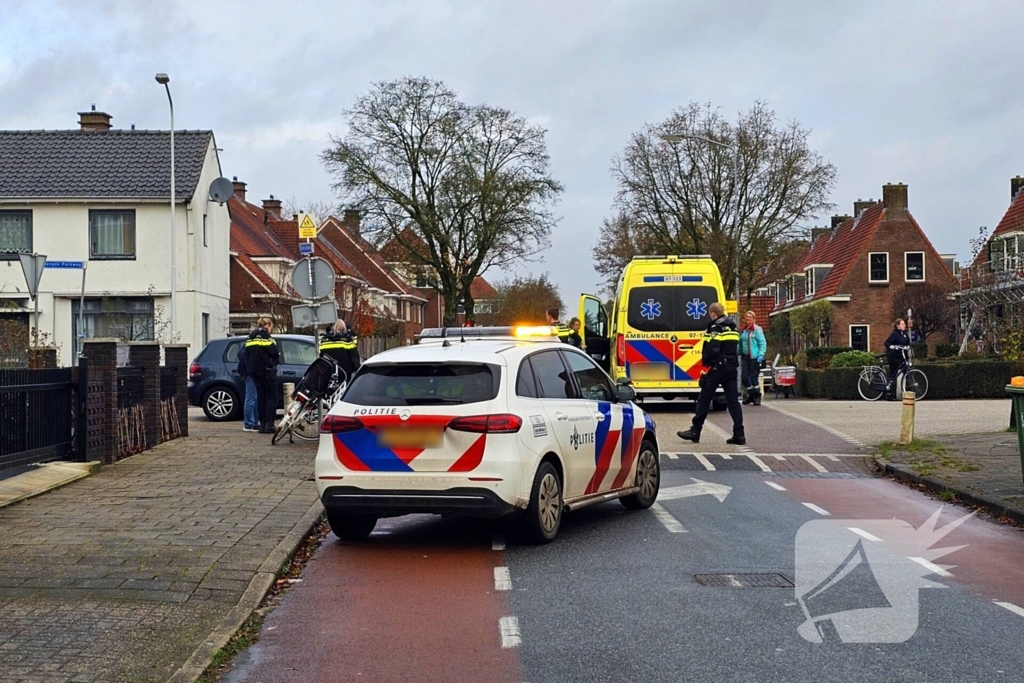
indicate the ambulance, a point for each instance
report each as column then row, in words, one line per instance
column 652, row 336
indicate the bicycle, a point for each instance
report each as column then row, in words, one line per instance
column 322, row 384
column 874, row 380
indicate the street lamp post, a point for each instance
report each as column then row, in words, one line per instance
column 669, row 137
column 164, row 80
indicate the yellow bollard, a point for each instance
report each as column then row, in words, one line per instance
column 907, row 420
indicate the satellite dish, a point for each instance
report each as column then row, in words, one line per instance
column 221, row 190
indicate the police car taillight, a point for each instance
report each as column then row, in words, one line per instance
column 339, row 424
column 502, row 423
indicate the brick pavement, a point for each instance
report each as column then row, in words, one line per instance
column 119, row 577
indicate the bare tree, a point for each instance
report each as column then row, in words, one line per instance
column 932, row 309
column 471, row 181
column 684, row 196
column 621, row 238
column 320, row 209
column 525, row 300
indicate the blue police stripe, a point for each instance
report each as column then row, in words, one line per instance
column 627, row 432
column 363, row 444
column 601, row 434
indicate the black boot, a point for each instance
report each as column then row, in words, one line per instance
column 757, row 397
column 737, row 440
column 690, row 434
column 749, row 399
column 267, row 428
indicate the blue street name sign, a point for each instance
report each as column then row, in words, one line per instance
column 305, row 248
column 64, row 264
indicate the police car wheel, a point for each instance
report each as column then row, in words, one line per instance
column 543, row 515
column 648, row 478
column 351, row 527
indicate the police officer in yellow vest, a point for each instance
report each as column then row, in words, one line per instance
column 261, row 358
column 561, row 330
column 340, row 344
column 720, row 356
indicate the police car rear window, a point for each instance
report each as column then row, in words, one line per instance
column 421, row 384
column 670, row 308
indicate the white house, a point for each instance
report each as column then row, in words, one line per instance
column 102, row 196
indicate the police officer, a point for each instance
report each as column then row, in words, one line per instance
column 561, row 330
column 721, row 356
column 340, row 344
column 262, row 358
column 575, row 333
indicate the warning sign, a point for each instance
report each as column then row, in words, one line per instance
column 307, row 228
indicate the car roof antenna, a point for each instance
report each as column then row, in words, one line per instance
column 461, row 310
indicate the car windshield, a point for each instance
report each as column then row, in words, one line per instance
column 414, row 384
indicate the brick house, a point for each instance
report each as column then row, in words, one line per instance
column 860, row 265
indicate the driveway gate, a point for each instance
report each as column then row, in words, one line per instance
column 36, row 416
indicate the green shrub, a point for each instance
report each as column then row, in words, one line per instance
column 821, row 356
column 983, row 378
column 853, row 359
column 946, row 350
column 919, row 350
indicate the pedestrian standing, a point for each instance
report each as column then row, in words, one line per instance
column 561, row 331
column 752, row 350
column 720, row 355
column 895, row 344
column 250, row 415
column 261, row 364
column 340, row 344
column 575, row 336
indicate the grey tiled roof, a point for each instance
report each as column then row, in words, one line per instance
column 130, row 164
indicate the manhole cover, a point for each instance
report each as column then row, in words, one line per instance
column 744, row 580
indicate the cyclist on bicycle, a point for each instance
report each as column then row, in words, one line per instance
column 895, row 349
column 340, row 344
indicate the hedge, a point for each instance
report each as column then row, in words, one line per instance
column 821, row 356
column 946, row 350
column 967, row 379
column 853, row 359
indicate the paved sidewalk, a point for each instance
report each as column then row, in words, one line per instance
column 981, row 469
column 121, row 576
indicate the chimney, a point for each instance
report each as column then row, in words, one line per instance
column 838, row 220
column 351, row 220
column 239, row 187
column 861, row 205
column 272, row 206
column 894, row 197
column 1015, row 186
column 94, row 120
column 819, row 232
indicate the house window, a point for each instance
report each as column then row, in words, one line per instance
column 790, row 289
column 878, row 268
column 809, row 277
column 914, row 264
column 1011, row 253
column 127, row 319
column 206, row 329
column 860, row 337
column 112, row 234
column 15, row 233
column 204, row 230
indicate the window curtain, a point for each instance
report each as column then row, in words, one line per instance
column 15, row 232
column 108, row 234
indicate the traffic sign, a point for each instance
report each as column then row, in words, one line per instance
column 307, row 228
column 317, row 314
column 313, row 278
column 306, row 248
column 78, row 265
column 32, row 265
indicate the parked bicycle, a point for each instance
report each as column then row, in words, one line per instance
column 874, row 381
column 322, row 385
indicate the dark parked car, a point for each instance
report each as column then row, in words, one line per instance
column 214, row 383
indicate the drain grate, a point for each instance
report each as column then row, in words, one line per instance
column 744, row 580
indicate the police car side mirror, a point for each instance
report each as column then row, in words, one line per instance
column 626, row 392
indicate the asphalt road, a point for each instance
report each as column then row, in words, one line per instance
column 620, row 596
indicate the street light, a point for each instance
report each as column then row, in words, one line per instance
column 164, row 80
column 674, row 137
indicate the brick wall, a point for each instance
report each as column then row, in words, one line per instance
column 176, row 355
column 101, row 410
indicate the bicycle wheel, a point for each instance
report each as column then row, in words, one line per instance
column 307, row 424
column 917, row 382
column 287, row 420
column 871, row 383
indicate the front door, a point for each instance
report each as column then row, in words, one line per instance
column 600, row 398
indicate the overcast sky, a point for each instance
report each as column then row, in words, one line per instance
column 926, row 93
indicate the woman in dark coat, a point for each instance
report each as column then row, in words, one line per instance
column 897, row 339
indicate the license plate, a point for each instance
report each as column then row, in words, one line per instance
column 649, row 371
column 410, row 437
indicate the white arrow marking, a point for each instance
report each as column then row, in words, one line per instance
column 699, row 488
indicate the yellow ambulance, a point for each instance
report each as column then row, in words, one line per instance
column 653, row 335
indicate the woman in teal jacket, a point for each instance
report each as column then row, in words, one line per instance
column 752, row 349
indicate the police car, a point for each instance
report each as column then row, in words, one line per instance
column 484, row 422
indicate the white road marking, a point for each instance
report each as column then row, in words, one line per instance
column 725, row 435
column 497, row 542
column 861, row 532
column 724, row 456
column 502, row 579
column 775, row 486
column 510, row 635
column 831, row 430
column 697, row 488
column 672, row 456
column 831, row 457
column 1019, row 611
column 704, row 461
column 934, row 568
column 778, row 457
column 760, row 463
column 817, row 509
column 667, row 520
column 814, row 463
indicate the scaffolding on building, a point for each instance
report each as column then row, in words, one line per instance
column 991, row 301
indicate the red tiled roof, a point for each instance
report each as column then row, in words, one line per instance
column 254, row 269
column 250, row 234
column 360, row 254
column 481, row 290
column 761, row 306
column 1013, row 219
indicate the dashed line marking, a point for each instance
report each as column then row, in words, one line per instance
column 704, row 461
column 724, row 456
column 502, row 579
column 831, row 457
column 760, row 463
column 779, row 457
column 817, row 509
column 497, row 542
column 667, row 520
column 864, row 534
column 814, row 463
column 510, row 634
column 672, row 456
column 775, row 486
column 930, row 566
column 820, row 425
column 1019, row 611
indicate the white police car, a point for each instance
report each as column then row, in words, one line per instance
column 506, row 421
